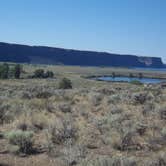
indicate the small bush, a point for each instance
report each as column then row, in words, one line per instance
column 5, row 116
column 22, row 139
column 148, row 108
column 163, row 132
column 163, row 113
column 65, row 83
column 139, row 98
column 68, row 133
column 114, row 99
column 22, row 126
column 64, row 107
column 70, row 155
column 130, row 142
column 95, row 98
column 43, row 95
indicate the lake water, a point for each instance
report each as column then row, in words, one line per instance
column 151, row 69
column 128, row 79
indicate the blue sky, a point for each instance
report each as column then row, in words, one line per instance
column 120, row 26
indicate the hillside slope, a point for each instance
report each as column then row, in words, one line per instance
column 51, row 55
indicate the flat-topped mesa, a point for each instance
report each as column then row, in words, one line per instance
column 151, row 61
column 51, row 55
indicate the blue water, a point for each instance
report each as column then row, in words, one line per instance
column 128, row 79
column 151, row 69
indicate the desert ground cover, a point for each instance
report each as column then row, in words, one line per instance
column 93, row 124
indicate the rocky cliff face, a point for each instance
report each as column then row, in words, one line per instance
column 50, row 55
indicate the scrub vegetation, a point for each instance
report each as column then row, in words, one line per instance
column 68, row 120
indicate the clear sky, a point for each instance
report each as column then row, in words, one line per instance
column 120, row 26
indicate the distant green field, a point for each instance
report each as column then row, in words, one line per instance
column 88, row 71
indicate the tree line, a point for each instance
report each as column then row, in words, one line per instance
column 7, row 71
column 14, row 71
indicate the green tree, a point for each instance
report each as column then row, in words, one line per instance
column 4, row 71
column 49, row 74
column 113, row 75
column 17, row 71
column 140, row 75
column 131, row 75
column 39, row 73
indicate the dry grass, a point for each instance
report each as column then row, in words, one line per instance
column 93, row 124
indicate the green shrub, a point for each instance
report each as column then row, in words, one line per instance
column 49, row 74
column 163, row 132
column 113, row 75
column 140, row 75
column 65, row 83
column 139, row 98
column 65, row 134
column 131, row 75
column 17, row 71
column 39, row 73
column 22, row 139
column 5, row 116
column 43, row 95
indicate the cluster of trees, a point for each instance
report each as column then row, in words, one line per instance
column 14, row 71
column 140, row 75
column 40, row 73
column 64, row 83
column 10, row 72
